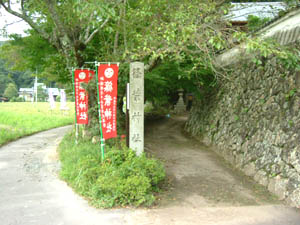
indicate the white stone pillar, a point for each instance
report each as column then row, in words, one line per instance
column 136, row 107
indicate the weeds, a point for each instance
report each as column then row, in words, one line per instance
column 122, row 179
column 24, row 118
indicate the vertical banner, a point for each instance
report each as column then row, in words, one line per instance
column 35, row 88
column 51, row 99
column 81, row 95
column 63, row 100
column 136, row 107
column 108, row 90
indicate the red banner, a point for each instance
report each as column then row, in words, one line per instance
column 108, row 90
column 81, row 95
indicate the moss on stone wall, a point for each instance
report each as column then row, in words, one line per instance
column 254, row 122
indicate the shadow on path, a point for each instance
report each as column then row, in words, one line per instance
column 198, row 176
column 204, row 190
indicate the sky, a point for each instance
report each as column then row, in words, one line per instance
column 15, row 27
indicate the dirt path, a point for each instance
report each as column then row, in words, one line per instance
column 204, row 190
column 198, row 176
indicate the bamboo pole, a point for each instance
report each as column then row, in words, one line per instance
column 76, row 125
column 99, row 112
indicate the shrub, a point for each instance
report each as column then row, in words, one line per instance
column 121, row 179
column 17, row 99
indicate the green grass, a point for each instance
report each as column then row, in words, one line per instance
column 122, row 179
column 24, row 118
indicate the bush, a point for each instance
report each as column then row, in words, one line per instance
column 122, row 179
column 17, row 99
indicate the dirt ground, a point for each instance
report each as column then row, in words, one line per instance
column 197, row 176
column 201, row 190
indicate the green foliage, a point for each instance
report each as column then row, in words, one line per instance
column 5, row 80
column 291, row 93
column 32, row 53
column 255, row 22
column 177, row 29
column 11, row 91
column 42, row 94
column 9, row 75
column 122, row 179
column 262, row 49
column 23, row 118
column 162, row 83
column 177, row 40
column 17, row 99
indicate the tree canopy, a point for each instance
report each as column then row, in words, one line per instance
column 11, row 91
column 8, row 75
column 67, row 34
column 133, row 29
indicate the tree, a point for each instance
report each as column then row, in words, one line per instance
column 68, row 26
column 135, row 29
column 5, row 80
column 145, row 30
column 12, row 75
column 152, row 31
column 11, row 91
column 33, row 53
column 41, row 93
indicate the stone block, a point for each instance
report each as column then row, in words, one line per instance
column 271, row 185
column 294, row 198
column 294, row 159
column 278, row 186
column 264, row 140
column 239, row 160
column 261, row 178
column 250, row 169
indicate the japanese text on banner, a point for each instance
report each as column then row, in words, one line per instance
column 81, row 95
column 108, row 90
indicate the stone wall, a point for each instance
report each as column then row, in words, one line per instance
column 253, row 120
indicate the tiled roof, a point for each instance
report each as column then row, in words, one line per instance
column 54, row 91
column 28, row 90
column 285, row 30
column 241, row 11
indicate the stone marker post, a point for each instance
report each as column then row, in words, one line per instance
column 136, row 107
column 180, row 107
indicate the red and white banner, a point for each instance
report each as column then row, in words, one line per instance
column 81, row 95
column 108, row 90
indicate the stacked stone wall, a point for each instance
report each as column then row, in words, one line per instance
column 253, row 120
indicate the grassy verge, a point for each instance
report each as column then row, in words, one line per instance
column 24, row 118
column 122, row 179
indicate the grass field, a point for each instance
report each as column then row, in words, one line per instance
column 24, row 118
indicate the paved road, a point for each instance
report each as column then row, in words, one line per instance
column 31, row 194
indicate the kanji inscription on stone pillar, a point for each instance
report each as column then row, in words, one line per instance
column 136, row 107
